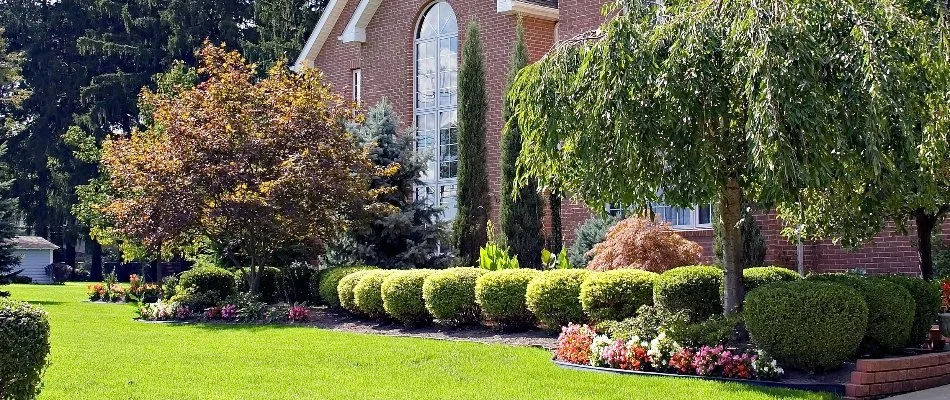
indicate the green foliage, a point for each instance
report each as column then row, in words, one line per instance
column 693, row 290
column 753, row 243
column 282, row 29
column 521, row 210
column 345, row 290
column 941, row 260
column 556, row 240
column 294, row 283
column 474, row 201
column 588, row 234
column 368, row 293
column 501, row 296
column 550, row 260
column 890, row 311
column 324, row 283
column 402, row 296
column 758, row 276
column 24, row 347
column 720, row 329
column 805, row 324
column 554, row 297
column 926, row 296
column 213, row 281
column 450, row 295
column 616, row 294
column 494, row 257
column 268, row 287
column 196, row 301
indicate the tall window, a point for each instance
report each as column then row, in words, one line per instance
column 436, row 105
column 357, row 85
column 697, row 217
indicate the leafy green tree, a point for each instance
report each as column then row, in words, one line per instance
column 521, row 211
column 399, row 231
column 474, row 201
column 754, row 248
column 697, row 101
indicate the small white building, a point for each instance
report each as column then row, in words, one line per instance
column 35, row 254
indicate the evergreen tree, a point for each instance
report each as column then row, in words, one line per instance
column 520, row 213
column 11, row 95
column 406, row 232
column 8, row 229
column 282, row 29
column 474, row 202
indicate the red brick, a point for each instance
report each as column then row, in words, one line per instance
column 862, row 378
column 857, row 391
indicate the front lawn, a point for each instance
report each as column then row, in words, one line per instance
column 99, row 352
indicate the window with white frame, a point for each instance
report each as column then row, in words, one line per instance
column 357, row 85
column 697, row 217
column 436, row 105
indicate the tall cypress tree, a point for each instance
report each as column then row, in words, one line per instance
column 521, row 213
column 474, row 202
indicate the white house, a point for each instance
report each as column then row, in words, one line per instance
column 35, row 254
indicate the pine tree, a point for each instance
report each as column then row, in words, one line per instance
column 406, row 233
column 520, row 214
column 282, row 29
column 8, row 227
column 474, row 203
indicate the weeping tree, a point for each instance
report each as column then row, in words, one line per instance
column 690, row 102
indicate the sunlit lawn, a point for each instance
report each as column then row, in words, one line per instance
column 99, row 352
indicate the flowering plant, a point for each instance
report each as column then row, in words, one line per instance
column 682, row 361
column 706, row 360
column 597, row 347
column 298, row 313
column 182, row 312
column 276, row 314
column 637, row 353
column 736, row 365
column 158, row 311
column 228, row 312
column 212, row 313
column 615, row 355
column 573, row 345
column 765, row 367
column 96, row 292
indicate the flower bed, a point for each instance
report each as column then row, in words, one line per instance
column 111, row 291
column 246, row 312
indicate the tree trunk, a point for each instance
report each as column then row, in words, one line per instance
column 254, row 277
column 730, row 209
column 925, row 229
column 95, row 269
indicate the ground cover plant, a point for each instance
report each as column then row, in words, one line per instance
column 290, row 362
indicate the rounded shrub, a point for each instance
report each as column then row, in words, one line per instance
column 617, row 294
column 890, row 311
column 554, row 297
column 213, row 281
column 759, row 276
column 450, row 295
column 501, row 296
column 345, row 288
column 266, row 285
column 24, row 347
column 367, row 294
column 325, row 282
column 693, row 290
column 804, row 324
column 926, row 296
column 402, row 296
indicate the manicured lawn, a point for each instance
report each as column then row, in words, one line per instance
column 98, row 352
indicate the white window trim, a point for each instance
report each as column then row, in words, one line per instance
column 693, row 216
column 357, row 85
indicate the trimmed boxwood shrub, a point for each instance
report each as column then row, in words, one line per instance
column 267, row 286
column 501, row 296
column 554, row 297
column 617, row 294
column 805, row 324
column 345, row 288
column 324, row 283
column 926, row 296
column 24, row 347
column 759, row 276
column 450, row 295
column 211, row 281
column 367, row 294
column 890, row 311
column 402, row 296
column 693, row 290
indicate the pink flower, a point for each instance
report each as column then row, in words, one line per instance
column 573, row 345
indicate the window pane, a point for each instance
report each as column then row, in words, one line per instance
column 430, row 24
column 447, row 22
column 704, row 215
column 673, row 215
column 448, row 72
column 447, row 200
column 448, row 139
column 425, row 144
column 426, row 75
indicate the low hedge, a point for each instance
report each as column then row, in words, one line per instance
column 804, row 324
column 693, row 290
column 345, row 288
column 890, row 311
column 554, row 297
column 450, row 295
column 755, row 277
column 367, row 293
column 402, row 296
column 324, row 284
column 212, row 281
column 926, row 296
column 24, row 347
column 267, row 286
column 501, row 296
column 617, row 294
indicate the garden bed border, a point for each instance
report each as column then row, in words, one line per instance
column 833, row 388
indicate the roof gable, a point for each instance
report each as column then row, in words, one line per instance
column 33, row 243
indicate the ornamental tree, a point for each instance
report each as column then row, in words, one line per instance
column 251, row 164
column 691, row 102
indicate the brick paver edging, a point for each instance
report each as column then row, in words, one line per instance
column 877, row 378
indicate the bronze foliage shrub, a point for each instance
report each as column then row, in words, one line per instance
column 643, row 244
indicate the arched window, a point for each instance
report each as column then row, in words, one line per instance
column 436, row 105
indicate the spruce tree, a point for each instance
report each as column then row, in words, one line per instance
column 282, row 29
column 474, row 202
column 8, row 226
column 520, row 212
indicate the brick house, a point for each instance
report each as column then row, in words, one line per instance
column 408, row 52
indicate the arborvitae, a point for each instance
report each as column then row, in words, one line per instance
column 520, row 213
column 474, row 202
column 406, row 232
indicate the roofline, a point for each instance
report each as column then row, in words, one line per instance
column 320, row 34
column 355, row 30
column 528, row 8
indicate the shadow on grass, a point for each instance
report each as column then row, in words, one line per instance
column 48, row 302
column 739, row 388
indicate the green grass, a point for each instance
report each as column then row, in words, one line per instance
column 99, row 352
